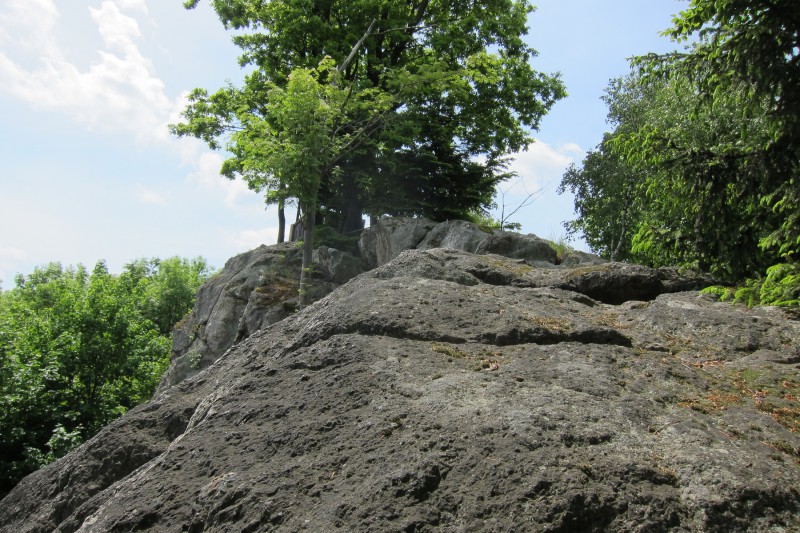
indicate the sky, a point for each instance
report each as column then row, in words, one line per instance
column 89, row 170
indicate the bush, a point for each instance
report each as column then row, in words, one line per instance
column 781, row 287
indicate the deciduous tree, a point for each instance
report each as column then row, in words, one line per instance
column 77, row 349
column 460, row 75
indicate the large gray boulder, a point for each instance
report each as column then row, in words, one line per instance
column 389, row 237
column 259, row 288
column 455, row 235
column 517, row 246
column 446, row 391
column 254, row 290
column 337, row 266
column 251, row 291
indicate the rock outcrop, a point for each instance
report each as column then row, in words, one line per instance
column 448, row 391
column 388, row 238
column 254, row 290
column 259, row 287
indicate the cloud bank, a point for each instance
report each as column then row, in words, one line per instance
column 120, row 90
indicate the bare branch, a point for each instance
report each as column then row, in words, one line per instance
column 354, row 51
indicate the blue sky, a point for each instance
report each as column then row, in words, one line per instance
column 89, row 170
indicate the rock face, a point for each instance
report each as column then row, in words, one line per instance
column 258, row 288
column 389, row 237
column 446, row 391
column 254, row 290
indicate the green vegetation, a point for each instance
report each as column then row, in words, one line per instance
column 449, row 350
column 701, row 169
column 488, row 223
column 80, row 348
column 561, row 247
column 378, row 107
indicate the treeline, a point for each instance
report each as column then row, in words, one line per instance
column 80, row 348
column 701, row 168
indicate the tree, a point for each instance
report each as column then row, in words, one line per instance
column 750, row 49
column 164, row 290
column 669, row 185
column 78, row 349
column 712, row 136
column 605, row 190
column 461, row 81
column 316, row 121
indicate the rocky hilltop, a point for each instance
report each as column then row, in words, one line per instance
column 446, row 390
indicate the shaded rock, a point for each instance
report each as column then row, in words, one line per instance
column 253, row 290
column 517, row 246
column 389, row 237
column 422, row 397
column 677, row 280
column 220, row 318
column 575, row 258
column 612, row 283
column 337, row 266
column 454, row 235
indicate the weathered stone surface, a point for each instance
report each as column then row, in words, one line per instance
column 258, row 288
column 574, row 258
column 253, row 290
column 389, row 237
column 454, row 235
column 337, row 266
column 517, row 246
column 455, row 392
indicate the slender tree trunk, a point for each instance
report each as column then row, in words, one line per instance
column 281, row 222
column 351, row 208
column 618, row 248
column 624, row 223
column 306, row 271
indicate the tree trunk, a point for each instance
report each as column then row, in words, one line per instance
column 624, row 223
column 351, row 221
column 281, row 222
column 306, row 271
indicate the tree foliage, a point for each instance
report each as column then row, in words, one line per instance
column 708, row 141
column 749, row 50
column 79, row 348
column 606, row 200
column 458, row 76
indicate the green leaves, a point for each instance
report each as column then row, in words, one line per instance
column 713, row 138
column 78, row 350
column 447, row 81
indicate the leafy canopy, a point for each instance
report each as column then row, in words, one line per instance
column 707, row 143
column 80, row 348
column 457, row 74
column 749, row 50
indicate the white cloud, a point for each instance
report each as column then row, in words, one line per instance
column 249, row 239
column 540, row 167
column 118, row 31
column 28, row 26
column 119, row 91
column 206, row 175
column 149, row 196
column 133, row 5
